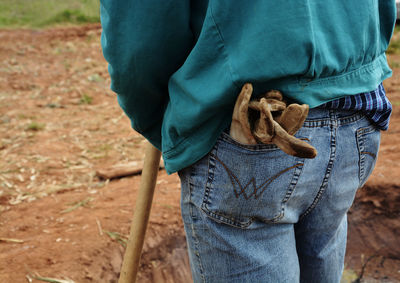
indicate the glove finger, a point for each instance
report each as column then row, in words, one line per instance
column 292, row 145
column 293, row 117
column 240, row 126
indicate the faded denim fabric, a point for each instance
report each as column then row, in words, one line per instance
column 255, row 214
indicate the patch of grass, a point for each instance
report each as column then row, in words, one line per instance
column 22, row 116
column 394, row 46
column 95, row 78
column 41, row 13
column 9, row 171
column 100, row 151
column 394, row 64
column 167, row 206
column 104, row 148
column 35, row 126
column 71, row 16
column 121, row 239
column 77, row 205
column 85, row 99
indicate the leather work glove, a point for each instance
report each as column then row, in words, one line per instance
column 270, row 121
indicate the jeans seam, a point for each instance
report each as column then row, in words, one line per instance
column 193, row 234
column 360, row 145
column 196, row 249
column 328, row 169
column 293, row 183
column 360, row 137
column 210, row 174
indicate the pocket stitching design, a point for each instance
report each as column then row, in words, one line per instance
column 219, row 217
column 255, row 192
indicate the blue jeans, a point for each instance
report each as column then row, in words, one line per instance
column 255, row 214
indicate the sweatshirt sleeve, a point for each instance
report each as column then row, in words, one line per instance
column 144, row 42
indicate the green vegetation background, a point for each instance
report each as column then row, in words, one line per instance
column 43, row 13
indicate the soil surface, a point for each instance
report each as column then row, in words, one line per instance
column 60, row 124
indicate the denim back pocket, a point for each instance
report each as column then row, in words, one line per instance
column 248, row 182
column 368, row 140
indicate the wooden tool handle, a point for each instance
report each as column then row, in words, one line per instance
column 130, row 265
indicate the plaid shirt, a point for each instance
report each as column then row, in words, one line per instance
column 374, row 104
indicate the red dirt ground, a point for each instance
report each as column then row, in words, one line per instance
column 59, row 123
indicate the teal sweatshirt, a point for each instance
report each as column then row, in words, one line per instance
column 177, row 66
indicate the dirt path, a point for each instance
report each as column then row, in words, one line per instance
column 59, row 123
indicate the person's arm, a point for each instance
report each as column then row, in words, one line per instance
column 145, row 42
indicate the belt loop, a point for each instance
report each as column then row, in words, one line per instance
column 333, row 118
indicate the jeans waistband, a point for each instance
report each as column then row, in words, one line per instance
column 320, row 117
